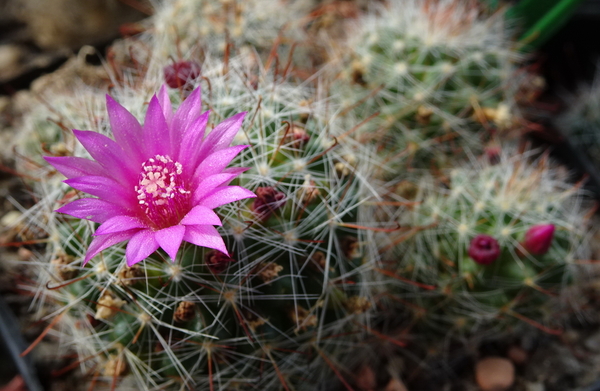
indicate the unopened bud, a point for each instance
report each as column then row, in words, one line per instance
column 538, row 238
column 484, row 249
column 179, row 74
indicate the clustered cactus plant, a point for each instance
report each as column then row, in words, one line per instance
column 439, row 73
column 264, row 311
column 226, row 26
column 491, row 245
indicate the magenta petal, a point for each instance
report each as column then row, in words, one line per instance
column 109, row 154
column 126, row 129
column 209, row 184
column 165, row 104
column 140, row 246
column 192, row 141
column 205, row 236
column 156, row 131
column 201, row 215
column 72, row 167
column 119, row 224
column 169, row 239
column 235, row 170
column 102, row 242
column 103, row 187
column 92, row 209
column 222, row 135
column 186, row 114
column 217, row 161
column 225, row 195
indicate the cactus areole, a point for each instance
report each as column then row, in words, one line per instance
column 157, row 184
column 484, row 249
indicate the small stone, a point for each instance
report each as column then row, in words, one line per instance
column 531, row 386
column 11, row 218
column 494, row 374
column 10, row 61
column 395, row 385
column 24, row 254
column 517, row 355
column 593, row 343
column 366, row 379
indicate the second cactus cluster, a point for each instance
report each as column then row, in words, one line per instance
column 490, row 246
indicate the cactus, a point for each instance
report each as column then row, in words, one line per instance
column 439, row 73
column 490, row 246
column 226, row 26
column 278, row 309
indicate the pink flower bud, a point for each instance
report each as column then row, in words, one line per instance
column 180, row 73
column 484, row 249
column 539, row 238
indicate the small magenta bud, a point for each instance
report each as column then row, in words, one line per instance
column 484, row 249
column 180, row 73
column 538, row 239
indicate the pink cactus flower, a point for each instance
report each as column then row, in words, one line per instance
column 538, row 239
column 484, row 249
column 157, row 184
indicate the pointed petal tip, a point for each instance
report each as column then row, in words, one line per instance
column 131, row 262
column 169, row 239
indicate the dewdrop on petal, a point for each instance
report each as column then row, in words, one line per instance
column 157, row 184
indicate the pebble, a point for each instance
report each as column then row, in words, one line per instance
column 395, row 385
column 531, row 386
column 366, row 379
column 494, row 374
column 517, row 355
column 592, row 343
column 10, row 61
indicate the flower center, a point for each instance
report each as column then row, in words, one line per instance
column 161, row 192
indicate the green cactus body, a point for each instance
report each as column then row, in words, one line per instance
column 502, row 201
column 437, row 73
column 292, row 290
